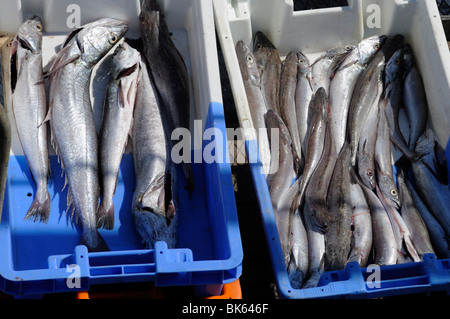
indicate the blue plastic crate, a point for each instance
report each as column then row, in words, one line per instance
column 427, row 276
column 35, row 258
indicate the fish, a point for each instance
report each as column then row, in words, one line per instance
column 439, row 240
column 384, row 244
column 401, row 232
column 344, row 81
column 340, row 211
column 282, row 179
column 269, row 64
column 410, row 214
column 362, row 237
column 414, row 98
column 316, row 251
column 369, row 86
column 299, row 258
column 393, row 92
column 303, row 98
column 74, row 135
column 317, row 189
column 316, row 137
column 288, row 86
column 116, row 125
column 433, row 193
column 322, row 70
column 252, row 84
column 152, row 167
column 29, row 107
column 366, row 149
column 5, row 137
column 383, row 160
column 169, row 74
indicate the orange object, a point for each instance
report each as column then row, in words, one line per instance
column 230, row 291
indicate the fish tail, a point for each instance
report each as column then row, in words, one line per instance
column 96, row 245
column 40, row 208
column 105, row 215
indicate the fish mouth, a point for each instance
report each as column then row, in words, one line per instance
column 26, row 45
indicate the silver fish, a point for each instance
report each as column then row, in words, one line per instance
column 439, row 240
column 29, row 109
column 282, row 179
column 414, row 98
column 316, row 251
column 366, row 148
column 116, row 125
column 255, row 98
column 362, row 237
column 299, row 259
column 5, row 138
column 151, row 162
column 72, row 121
column 338, row 235
column 324, row 67
column 393, row 84
column 288, row 86
column 410, row 214
column 269, row 63
column 383, row 160
column 384, row 244
column 303, row 97
column 169, row 73
column 344, row 81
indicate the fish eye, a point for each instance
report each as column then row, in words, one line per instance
column 301, row 61
column 394, row 192
column 348, row 48
column 249, row 59
column 370, row 173
column 38, row 27
column 376, row 46
column 113, row 38
column 397, row 61
column 259, row 46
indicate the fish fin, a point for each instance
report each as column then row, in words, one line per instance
column 63, row 58
column 105, row 215
column 101, row 244
column 39, row 209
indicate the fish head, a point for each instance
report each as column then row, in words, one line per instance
column 408, row 58
column 367, row 171
column 264, row 50
column 97, row 38
column 247, row 63
column 151, row 5
column 394, row 66
column 389, row 189
column 29, row 35
column 367, row 48
column 125, row 61
column 304, row 66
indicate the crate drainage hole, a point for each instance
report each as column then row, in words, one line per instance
column 29, row 194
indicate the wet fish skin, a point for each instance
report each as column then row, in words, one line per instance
column 288, row 85
column 344, row 81
column 325, row 65
column 169, row 73
column 72, row 122
column 282, row 179
column 252, row 84
column 419, row 232
column 303, row 98
column 383, row 159
column 366, row 148
column 116, row 125
column 414, row 98
column 338, row 235
column 440, row 241
column 269, row 64
column 299, row 258
column 361, row 225
column 29, row 110
column 384, row 244
column 151, row 161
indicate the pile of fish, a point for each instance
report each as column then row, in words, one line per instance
column 147, row 98
column 336, row 195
